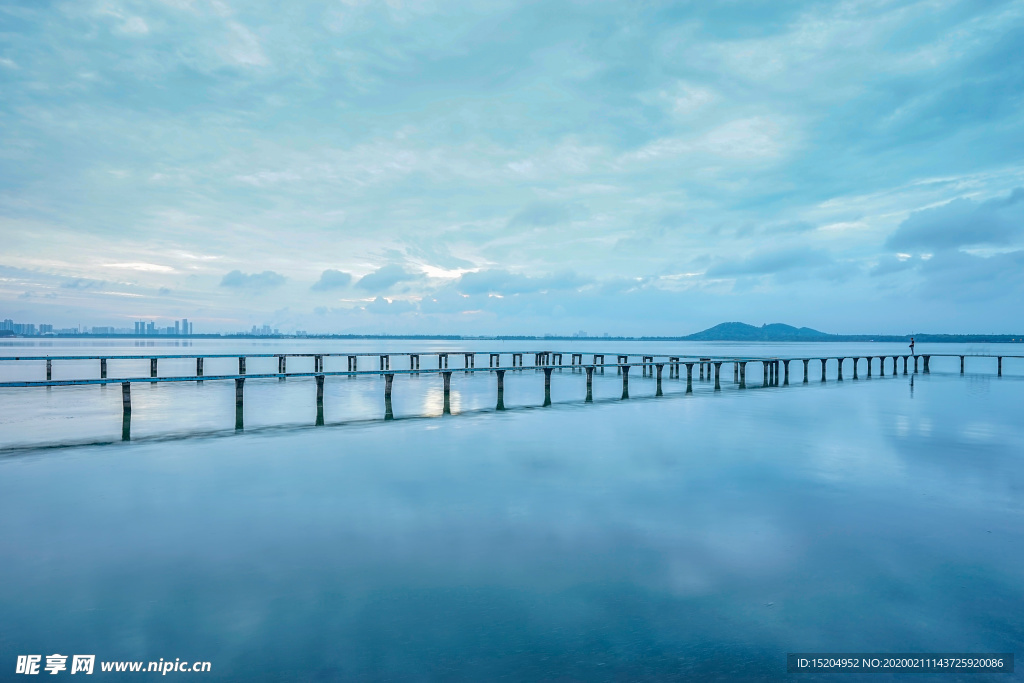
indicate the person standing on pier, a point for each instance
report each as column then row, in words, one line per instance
column 912, row 347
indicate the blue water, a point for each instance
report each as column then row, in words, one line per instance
column 696, row 537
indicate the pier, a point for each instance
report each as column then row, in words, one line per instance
column 775, row 371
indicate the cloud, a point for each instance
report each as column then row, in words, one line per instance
column 540, row 214
column 961, row 223
column 772, row 262
column 386, row 277
column 380, row 305
column 82, row 283
column 268, row 279
column 331, row 279
column 498, row 281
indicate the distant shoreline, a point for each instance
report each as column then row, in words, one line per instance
column 919, row 338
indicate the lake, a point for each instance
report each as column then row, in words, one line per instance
column 698, row 536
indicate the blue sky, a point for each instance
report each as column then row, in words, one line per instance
column 513, row 167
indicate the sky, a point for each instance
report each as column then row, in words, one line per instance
column 494, row 167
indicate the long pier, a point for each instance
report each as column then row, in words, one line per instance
column 775, row 371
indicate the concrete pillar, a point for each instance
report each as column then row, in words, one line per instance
column 718, row 374
column 868, row 359
column 625, row 380
column 126, row 397
column 320, row 389
column 855, row 366
column 904, row 365
column 239, row 384
column 590, row 383
column 961, row 365
column 389, row 379
column 764, row 364
column 881, row 366
column 743, row 376
column 152, row 367
column 103, row 368
column 915, row 363
column 447, row 392
column 199, row 367
column 700, row 369
column 49, row 370
column 840, row 361
column 926, row 368
column 806, row 361
column 241, row 365
column 495, row 360
column 999, row 366
column 468, row 360
column 547, row 386
column 689, row 378
column 281, row 365
column 501, row 390
column 785, row 364
column 659, row 367
column 823, row 361
column 599, row 361
column 673, row 368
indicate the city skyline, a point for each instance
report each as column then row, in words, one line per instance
column 500, row 168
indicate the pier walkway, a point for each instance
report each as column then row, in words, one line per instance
column 775, row 370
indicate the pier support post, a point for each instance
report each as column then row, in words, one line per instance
column 414, row 361
column 241, row 365
column 785, row 381
column 659, row 367
column 494, row 361
column 590, row 383
column 999, row 371
column 620, row 360
column 647, row 369
column 49, row 369
column 385, row 362
column 353, row 363
column 823, row 361
column 743, row 376
column 701, row 370
column 689, row 378
column 840, row 361
column 501, row 390
column 868, row 360
column 764, row 364
column 103, row 368
column 926, row 369
column 881, row 366
column 904, row 365
column 199, row 367
column 239, row 394
column 282, row 365
column 469, row 360
column 547, row 386
column 152, row 367
column 624, row 369
column 319, row 400
column 718, row 375
column 806, row 361
column 855, row 366
column 961, row 365
column 599, row 362
column 673, row 368
column 389, row 379
column 447, row 392
column 126, row 411
column 915, row 364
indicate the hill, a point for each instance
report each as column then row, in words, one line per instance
column 773, row 332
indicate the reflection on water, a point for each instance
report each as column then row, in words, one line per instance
column 696, row 536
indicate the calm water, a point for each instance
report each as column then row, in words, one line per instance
column 684, row 537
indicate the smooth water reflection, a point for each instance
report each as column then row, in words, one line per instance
column 697, row 536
